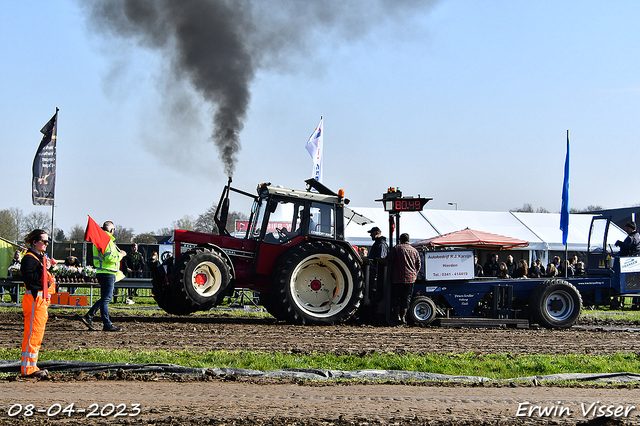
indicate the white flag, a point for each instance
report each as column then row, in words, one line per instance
column 314, row 146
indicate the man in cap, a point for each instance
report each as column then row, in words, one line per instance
column 378, row 250
column 631, row 245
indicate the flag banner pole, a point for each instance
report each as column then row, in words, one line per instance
column 51, row 236
column 315, row 148
column 43, row 180
column 564, row 211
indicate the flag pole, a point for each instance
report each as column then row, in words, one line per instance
column 566, row 239
column 51, row 236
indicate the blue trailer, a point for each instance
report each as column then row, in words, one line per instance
column 550, row 302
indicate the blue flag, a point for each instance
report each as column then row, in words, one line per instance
column 564, row 211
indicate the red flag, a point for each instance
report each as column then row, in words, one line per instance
column 96, row 235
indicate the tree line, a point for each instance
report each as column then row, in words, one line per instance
column 15, row 224
column 528, row 208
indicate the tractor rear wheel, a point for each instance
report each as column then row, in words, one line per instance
column 200, row 276
column 555, row 304
column 271, row 303
column 422, row 311
column 319, row 283
column 163, row 293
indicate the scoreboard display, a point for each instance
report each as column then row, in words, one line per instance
column 407, row 204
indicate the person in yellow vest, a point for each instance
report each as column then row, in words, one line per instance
column 40, row 285
column 107, row 266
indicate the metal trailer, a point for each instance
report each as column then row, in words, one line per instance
column 550, row 302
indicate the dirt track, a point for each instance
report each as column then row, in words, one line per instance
column 248, row 401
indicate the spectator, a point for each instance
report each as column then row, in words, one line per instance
column 491, row 267
column 134, row 266
column 405, row 263
column 551, row 270
column 535, row 271
column 72, row 262
column 511, row 265
column 631, row 245
column 566, row 270
column 503, row 272
column 579, row 269
column 134, row 262
column 477, row 267
column 363, row 251
column 522, row 270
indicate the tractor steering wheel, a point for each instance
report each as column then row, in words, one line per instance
column 282, row 233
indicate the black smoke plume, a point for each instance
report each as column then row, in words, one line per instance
column 218, row 45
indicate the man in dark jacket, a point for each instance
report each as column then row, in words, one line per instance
column 631, row 245
column 378, row 250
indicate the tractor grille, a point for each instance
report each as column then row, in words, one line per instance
column 632, row 281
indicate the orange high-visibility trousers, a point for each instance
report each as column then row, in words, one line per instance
column 35, row 318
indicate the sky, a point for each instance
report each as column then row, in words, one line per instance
column 465, row 101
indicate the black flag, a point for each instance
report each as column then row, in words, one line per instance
column 44, row 165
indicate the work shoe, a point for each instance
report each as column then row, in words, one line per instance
column 88, row 321
column 38, row 374
column 111, row 328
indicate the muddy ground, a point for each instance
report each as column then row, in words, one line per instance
column 222, row 400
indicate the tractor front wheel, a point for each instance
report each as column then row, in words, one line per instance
column 200, row 276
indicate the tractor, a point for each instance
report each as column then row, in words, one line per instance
column 292, row 252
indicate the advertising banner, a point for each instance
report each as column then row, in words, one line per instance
column 43, row 181
column 449, row 265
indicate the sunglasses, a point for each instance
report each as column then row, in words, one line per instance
column 45, row 241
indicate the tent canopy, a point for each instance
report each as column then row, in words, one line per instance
column 472, row 239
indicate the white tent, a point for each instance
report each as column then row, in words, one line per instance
column 541, row 230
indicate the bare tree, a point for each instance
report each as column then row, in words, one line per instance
column 206, row 221
column 164, row 231
column 542, row 210
column 185, row 223
column 76, row 233
column 526, row 208
column 123, row 235
column 37, row 220
column 144, row 238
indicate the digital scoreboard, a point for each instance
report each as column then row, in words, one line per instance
column 394, row 202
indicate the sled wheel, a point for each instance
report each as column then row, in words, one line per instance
column 556, row 304
column 201, row 275
column 422, row 310
column 319, row 283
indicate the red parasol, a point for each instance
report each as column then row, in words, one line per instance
column 472, row 239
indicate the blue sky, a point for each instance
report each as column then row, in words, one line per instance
column 463, row 101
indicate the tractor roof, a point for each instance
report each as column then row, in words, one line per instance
column 305, row 195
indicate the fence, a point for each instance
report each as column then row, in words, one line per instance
column 142, row 287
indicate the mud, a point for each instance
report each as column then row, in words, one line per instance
column 177, row 400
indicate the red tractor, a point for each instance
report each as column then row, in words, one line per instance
column 292, row 252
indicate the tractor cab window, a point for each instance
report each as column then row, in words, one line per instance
column 285, row 221
column 322, row 220
column 258, row 212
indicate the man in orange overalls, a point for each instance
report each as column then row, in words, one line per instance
column 40, row 284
